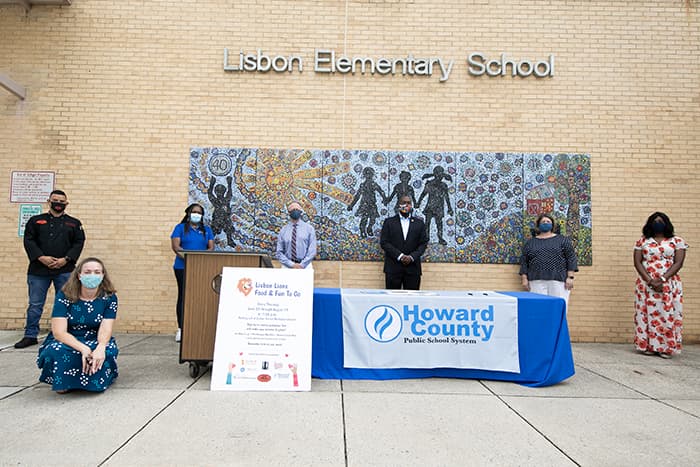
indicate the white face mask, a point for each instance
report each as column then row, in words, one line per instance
column 195, row 218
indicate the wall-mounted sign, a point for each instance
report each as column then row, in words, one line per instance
column 31, row 187
column 330, row 62
column 26, row 211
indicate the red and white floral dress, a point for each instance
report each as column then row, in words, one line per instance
column 658, row 317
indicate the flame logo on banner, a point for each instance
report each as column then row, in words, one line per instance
column 383, row 323
column 379, row 327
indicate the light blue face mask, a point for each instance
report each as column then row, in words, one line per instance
column 91, row 281
column 195, row 218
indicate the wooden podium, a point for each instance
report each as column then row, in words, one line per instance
column 201, row 301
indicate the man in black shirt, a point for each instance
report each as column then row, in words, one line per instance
column 53, row 242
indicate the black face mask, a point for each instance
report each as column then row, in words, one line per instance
column 58, row 207
column 658, row 227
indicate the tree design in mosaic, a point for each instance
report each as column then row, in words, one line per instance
column 479, row 207
column 559, row 184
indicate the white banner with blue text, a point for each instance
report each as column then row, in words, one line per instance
column 263, row 330
column 430, row 329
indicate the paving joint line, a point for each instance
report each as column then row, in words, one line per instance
column 660, row 401
column 531, row 425
column 145, row 425
column 342, row 412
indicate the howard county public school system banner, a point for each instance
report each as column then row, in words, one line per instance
column 430, row 329
column 263, row 330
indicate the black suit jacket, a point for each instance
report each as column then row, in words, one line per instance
column 393, row 244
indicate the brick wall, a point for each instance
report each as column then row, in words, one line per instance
column 119, row 91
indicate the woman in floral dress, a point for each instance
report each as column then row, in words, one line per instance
column 658, row 317
column 80, row 352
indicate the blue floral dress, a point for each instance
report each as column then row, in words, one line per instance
column 60, row 364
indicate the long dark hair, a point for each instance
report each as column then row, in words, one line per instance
column 648, row 230
column 186, row 220
column 72, row 287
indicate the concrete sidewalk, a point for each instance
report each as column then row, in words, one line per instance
column 621, row 408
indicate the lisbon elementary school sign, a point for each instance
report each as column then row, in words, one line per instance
column 328, row 61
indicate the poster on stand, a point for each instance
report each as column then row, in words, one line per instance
column 263, row 330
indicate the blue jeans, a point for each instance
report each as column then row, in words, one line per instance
column 38, row 287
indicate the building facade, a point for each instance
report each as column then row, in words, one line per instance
column 117, row 95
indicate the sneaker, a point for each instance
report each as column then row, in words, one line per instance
column 178, row 335
column 26, row 342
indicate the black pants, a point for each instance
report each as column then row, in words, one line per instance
column 405, row 281
column 180, row 278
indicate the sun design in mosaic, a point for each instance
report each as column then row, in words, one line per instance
column 282, row 176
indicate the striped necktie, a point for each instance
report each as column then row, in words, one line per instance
column 294, row 243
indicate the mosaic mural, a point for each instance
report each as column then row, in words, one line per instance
column 479, row 207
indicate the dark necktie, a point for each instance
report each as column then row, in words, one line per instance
column 294, row 243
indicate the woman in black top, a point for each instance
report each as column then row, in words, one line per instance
column 549, row 261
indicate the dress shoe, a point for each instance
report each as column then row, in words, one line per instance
column 26, row 342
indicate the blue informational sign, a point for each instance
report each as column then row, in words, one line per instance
column 26, row 211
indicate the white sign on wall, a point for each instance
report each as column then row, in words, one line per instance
column 31, row 187
column 263, row 330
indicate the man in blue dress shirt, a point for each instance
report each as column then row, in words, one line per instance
column 296, row 244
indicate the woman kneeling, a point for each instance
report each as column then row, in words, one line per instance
column 80, row 352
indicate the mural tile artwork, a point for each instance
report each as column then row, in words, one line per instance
column 479, row 207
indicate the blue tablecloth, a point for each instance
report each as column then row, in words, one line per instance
column 543, row 339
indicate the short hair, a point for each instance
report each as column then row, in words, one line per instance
column 58, row 192
column 555, row 225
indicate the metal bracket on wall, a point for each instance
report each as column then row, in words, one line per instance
column 15, row 88
column 28, row 4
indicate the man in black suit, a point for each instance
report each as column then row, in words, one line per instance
column 403, row 240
